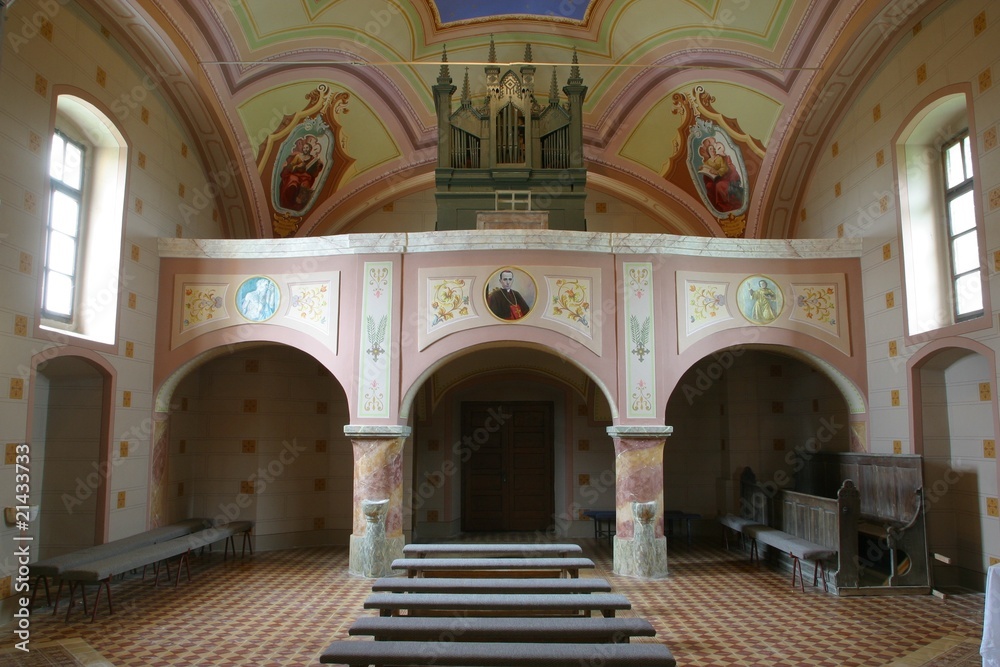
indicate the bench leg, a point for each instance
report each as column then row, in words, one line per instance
column 246, row 543
column 107, row 584
column 797, row 565
column 187, row 563
column 34, row 591
column 753, row 551
column 55, row 610
column 229, row 540
column 72, row 597
column 819, row 569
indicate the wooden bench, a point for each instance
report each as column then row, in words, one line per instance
column 501, row 629
column 416, row 567
column 490, row 654
column 467, row 549
column 43, row 570
column 490, row 585
column 101, row 571
column 391, row 604
column 735, row 524
column 796, row 547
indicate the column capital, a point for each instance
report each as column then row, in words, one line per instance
column 377, row 431
column 640, row 431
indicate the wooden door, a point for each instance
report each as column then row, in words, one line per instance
column 507, row 478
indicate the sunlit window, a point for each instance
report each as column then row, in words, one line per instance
column 960, row 206
column 62, row 254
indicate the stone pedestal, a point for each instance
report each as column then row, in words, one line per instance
column 640, row 546
column 377, row 536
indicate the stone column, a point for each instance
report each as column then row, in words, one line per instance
column 640, row 547
column 158, row 476
column 377, row 537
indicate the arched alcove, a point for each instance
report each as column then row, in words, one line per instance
column 523, row 429
column 69, row 434
column 762, row 407
column 257, row 432
column 954, row 417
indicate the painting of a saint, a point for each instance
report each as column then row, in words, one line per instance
column 257, row 298
column 716, row 166
column 720, row 176
column 298, row 175
column 760, row 299
column 302, row 167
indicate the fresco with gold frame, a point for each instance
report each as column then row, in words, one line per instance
column 303, row 161
column 714, row 160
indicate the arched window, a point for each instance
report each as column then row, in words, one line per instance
column 941, row 225
column 81, row 275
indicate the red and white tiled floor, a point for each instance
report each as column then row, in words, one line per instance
column 714, row 610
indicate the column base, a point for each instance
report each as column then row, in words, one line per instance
column 374, row 560
column 644, row 558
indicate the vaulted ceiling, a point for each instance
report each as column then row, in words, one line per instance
column 781, row 73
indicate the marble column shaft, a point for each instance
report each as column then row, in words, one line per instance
column 378, row 476
column 639, row 483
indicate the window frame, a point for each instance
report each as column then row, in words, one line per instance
column 58, row 185
column 953, row 193
column 100, row 267
column 918, row 180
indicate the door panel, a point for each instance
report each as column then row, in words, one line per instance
column 507, row 482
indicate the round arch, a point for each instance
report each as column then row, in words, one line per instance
column 175, row 366
column 855, row 399
column 409, row 393
column 926, row 355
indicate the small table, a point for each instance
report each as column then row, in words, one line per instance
column 604, row 522
column 670, row 516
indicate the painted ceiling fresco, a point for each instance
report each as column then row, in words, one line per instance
column 453, row 11
column 699, row 113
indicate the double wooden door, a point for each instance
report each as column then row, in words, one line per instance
column 507, row 478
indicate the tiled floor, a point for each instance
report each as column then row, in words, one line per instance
column 714, row 610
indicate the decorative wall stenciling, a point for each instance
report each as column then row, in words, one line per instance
column 570, row 302
column 449, row 300
column 811, row 304
column 560, row 299
column 640, row 361
column 816, row 305
column 217, row 301
column 706, row 305
column 760, row 300
column 310, row 303
column 202, row 304
column 376, row 328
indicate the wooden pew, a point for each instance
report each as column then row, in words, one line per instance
column 489, row 654
column 392, row 604
column 416, row 567
column 501, row 629
column 490, row 585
